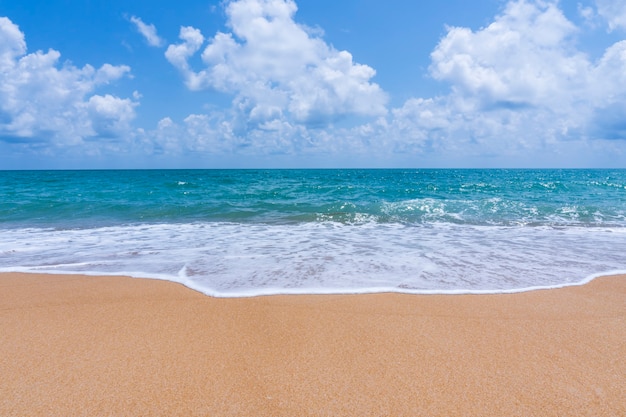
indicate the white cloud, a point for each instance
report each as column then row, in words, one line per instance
column 277, row 68
column 586, row 12
column 149, row 32
column 614, row 11
column 201, row 133
column 13, row 43
column 518, row 87
column 43, row 101
column 523, row 58
column 110, row 116
column 178, row 55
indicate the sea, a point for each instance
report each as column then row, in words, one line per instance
column 240, row 233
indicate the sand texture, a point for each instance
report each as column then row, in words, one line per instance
column 116, row 346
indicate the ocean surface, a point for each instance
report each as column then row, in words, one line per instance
column 233, row 233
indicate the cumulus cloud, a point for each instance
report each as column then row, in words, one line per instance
column 276, row 68
column 148, row 31
column 179, row 55
column 523, row 58
column 614, row 12
column 110, row 116
column 518, row 85
column 41, row 100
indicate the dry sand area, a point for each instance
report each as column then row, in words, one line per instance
column 116, row 346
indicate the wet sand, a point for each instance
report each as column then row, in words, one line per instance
column 116, row 346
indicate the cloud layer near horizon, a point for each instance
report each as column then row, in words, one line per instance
column 519, row 88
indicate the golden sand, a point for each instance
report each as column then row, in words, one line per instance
column 116, row 346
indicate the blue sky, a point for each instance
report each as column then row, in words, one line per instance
column 312, row 83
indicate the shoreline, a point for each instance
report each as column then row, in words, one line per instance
column 270, row 292
column 87, row 345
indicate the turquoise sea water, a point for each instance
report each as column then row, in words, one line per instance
column 250, row 232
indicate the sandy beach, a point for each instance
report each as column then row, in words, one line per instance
column 116, row 346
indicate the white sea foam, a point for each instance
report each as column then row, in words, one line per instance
column 234, row 260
